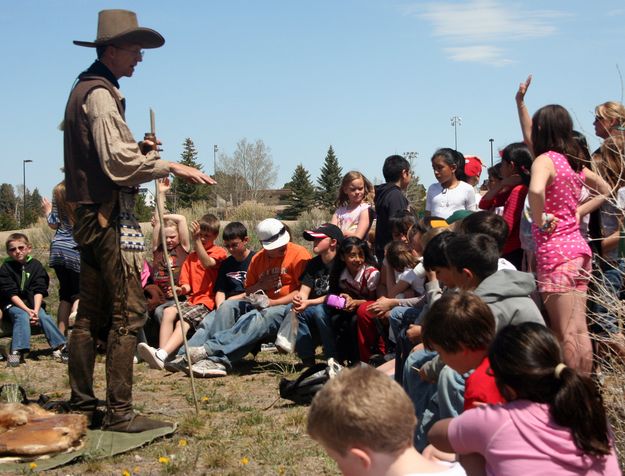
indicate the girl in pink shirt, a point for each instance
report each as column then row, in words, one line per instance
column 554, row 422
column 562, row 255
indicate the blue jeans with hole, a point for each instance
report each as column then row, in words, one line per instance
column 315, row 321
column 252, row 328
column 21, row 329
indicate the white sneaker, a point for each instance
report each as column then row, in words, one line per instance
column 148, row 354
column 269, row 347
column 207, row 368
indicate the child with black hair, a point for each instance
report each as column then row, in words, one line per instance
column 450, row 192
column 516, row 163
column 493, row 225
column 541, row 429
column 355, row 278
column 390, row 198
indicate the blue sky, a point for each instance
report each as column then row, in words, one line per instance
column 369, row 77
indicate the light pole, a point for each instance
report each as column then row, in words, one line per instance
column 215, row 149
column 491, row 151
column 24, row 162
column 455, row 122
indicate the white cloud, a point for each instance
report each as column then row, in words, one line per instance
column 475, row 23
column 478, row 54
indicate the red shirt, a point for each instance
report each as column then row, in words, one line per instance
column 202, row 280
column 480, row 387
column 512, row 202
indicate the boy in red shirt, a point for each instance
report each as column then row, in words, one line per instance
column 197, row 281
column 460, row 327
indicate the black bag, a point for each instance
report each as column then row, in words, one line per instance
column 303, row 389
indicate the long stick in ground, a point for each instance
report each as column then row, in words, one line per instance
column 172, row 284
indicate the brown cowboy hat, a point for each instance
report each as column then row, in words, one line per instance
column 121, row 26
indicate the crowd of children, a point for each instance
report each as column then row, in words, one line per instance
column 481, row 317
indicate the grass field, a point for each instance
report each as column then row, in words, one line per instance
column 242, row 428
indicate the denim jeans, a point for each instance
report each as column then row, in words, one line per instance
column 199, row 338
column 21, row 329
column 231, row 345
column 602, row 320
column 419, row 391
column 399, row 320
column 446, row 402
column 227, row 314
column 315, row 321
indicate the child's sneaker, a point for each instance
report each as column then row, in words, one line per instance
column 61, row 354
column 149, row 355
column 14, row 359
column 196, row 354
column 207, row 368
column 269, row 347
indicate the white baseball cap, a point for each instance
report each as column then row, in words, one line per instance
column 272, row 234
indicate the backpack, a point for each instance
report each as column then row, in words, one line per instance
column 303, row 389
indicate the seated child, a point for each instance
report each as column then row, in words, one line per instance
column 353, row 217
column 23, row 285
column 365, row 423
column 541, row 429
column 197, row 281
column 355, row 278
column 240, row 326
column 178, row 246
column 309, row 301
column 460, row 327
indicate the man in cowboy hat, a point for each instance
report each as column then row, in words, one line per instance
column 103, row 167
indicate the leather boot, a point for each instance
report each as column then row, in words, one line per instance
column 132, row 423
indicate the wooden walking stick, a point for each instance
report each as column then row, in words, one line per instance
column 159, row 209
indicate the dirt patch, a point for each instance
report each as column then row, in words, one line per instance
column 242, row 428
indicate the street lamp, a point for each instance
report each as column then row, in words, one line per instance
column 491, row 151
column 455, row 122
column 215, row 149
column 24, row 162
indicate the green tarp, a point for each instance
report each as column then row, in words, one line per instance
column 98, row 444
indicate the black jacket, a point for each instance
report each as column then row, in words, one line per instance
column 22, row 280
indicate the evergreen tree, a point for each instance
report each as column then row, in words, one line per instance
column 302, row 196
column 329, row 182
column 186, row 193
column 8, row 204
column 142, row 211
column 33, row 208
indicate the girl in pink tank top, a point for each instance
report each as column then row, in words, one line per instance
column 562, row 255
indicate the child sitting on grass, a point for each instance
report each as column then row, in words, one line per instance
column 23, row 285
column 197, row 281
column 365, row 422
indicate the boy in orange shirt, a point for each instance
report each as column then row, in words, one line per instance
column 240, row 325
column 197, row 281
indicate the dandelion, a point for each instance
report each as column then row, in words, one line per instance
column 183, row 442
column 204, row 399
column 164, row 460
column 245, row 461
column 32, row 466
column 126, row 473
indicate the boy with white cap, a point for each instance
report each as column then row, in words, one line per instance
column 274, row 274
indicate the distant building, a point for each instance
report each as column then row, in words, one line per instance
column 148, row 196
